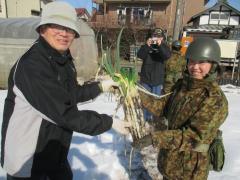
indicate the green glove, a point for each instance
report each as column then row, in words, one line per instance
column 143, row 142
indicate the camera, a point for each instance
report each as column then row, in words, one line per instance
column 154, row 45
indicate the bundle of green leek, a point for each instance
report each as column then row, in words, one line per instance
column 129, row 97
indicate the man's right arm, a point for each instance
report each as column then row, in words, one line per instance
column 37, row 86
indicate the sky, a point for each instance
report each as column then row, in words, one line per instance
column 103, row 157
column 88, row 3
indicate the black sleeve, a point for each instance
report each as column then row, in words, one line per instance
column 87, row 91
column 164, row 52
column 42, row 91
column 143, row 52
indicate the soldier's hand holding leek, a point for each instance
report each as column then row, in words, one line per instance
column 143, row 142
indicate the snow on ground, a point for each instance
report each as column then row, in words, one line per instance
column 103, row 157
column 231, row 137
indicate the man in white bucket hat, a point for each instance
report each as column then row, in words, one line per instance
column 62, row 14
column 40, row 111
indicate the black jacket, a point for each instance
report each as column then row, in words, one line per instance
column 152, row 71
column 40, row 111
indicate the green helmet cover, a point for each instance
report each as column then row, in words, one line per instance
column 204, row 49
column 176, row 45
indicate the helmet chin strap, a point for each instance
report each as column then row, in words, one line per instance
column 213, row 68
column 214, row 72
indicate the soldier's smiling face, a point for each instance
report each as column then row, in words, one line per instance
column 199, row 69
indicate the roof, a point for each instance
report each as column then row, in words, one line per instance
column 82, row 11
column 19, row 28
column 210, row 28
column 24, row 28
column 130, row 1
column 207, row 11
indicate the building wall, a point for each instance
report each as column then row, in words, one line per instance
column 22, row 8
column 2, row 9
column 163, row 14
column 204, row 19
column 234, row 20
column 192, row 8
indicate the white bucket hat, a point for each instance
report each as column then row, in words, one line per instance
column 59, row 13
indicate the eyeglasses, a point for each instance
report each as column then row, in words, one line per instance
column 57, row 29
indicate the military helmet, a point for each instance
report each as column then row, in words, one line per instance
column 158, row 32
column 204, row 49
column 176, row 45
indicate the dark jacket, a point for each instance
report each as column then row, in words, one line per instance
column 40, row 111
column 152, row 71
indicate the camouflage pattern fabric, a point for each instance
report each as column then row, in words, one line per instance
column 195, row 111
column 174, row 68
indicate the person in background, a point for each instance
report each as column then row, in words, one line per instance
column 40, row 111
column 195, row 111
column 174, row 67
column 154, row 54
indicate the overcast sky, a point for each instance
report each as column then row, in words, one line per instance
column 88, row 3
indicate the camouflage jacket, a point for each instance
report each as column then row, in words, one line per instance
column 174, row 69
column 195, row 111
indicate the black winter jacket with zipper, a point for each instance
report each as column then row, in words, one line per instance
column 40, row 111
column 152, row 70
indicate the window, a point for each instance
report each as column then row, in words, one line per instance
column 214, row 16
column 35, row 13
column 234, row 34
column 224, row 16
column 219, row 17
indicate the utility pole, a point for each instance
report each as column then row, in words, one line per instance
column 178, row 19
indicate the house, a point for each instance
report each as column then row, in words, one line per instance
column 83, row 14
column 139, row 19
column 213, row 21
column 142, row 14
column 21, row 8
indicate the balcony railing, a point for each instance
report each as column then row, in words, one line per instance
column 129, row 1
column 137, row 22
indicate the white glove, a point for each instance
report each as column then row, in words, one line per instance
column 121, row 126
column 106, row 84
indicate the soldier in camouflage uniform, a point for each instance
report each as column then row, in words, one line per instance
column 195, row 110
column 174, row 67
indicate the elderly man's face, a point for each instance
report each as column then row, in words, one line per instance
column 59, row 37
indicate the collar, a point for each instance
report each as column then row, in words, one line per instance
column 191, row 83
column 53, row 54
column 176, row 52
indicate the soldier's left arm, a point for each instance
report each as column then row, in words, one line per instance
column 152, row 104
column 201, row 129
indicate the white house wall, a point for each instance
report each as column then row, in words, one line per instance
column 234, row 20
column 22, row 8
column 204, row 19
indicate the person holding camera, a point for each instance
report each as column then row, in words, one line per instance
column 154, row 53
